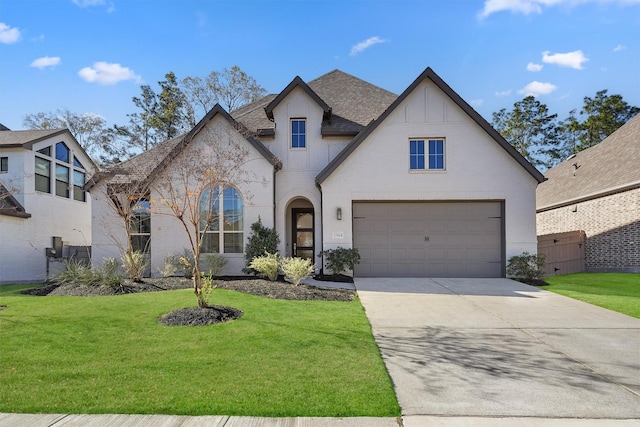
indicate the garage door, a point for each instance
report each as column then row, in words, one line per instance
column 429, row 239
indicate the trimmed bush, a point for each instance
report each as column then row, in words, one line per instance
column 297, row 269
column 341, row 259
column 215, row 263
column 267, row 265
column 526, row 266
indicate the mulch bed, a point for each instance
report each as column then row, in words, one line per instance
column 198, row 316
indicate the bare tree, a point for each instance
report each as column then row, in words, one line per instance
column 192, row 182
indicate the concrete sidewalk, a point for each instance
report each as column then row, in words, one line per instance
column 496, row 349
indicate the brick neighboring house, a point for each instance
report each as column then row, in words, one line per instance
column 598, row 191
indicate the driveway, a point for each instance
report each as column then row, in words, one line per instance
column 499, row 348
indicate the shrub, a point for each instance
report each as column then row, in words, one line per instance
column 262, row 239
column 205, row 291
column 526, row 266
column 186, row 263
column 135, row 264
column 341, row 259
column 76, row 272
column 297, row 269
column 171, row 265
column 110, row 274
column 267, row 265
column 215, row 263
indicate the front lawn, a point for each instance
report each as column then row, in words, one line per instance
column 109, row 355
column 616, row 291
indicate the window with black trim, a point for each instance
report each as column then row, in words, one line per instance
column 222, row 220
column 141, row 225
column 427, row 154
column 4, row 164
column 70, row 174
column 298, row 133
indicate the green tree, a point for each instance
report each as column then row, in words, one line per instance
column 172, row 115
column 531, row 130
column 603, row 115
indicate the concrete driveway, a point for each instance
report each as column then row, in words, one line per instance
column 499, row 348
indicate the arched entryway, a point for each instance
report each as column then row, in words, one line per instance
column 301, row 230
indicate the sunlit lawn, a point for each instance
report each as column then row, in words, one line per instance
column 616, row 291
column 109, row 355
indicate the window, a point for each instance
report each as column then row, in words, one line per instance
column 431, row 159
column 78, row 186
column 298, row 133
column 43, row 175
column 62, row 181
column 4, row 164
column 46, row 151
column 141, row 225
column 222, row 209
column 62, row 152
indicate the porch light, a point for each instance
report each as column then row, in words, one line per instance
column 339, row 214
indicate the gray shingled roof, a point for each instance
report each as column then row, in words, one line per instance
column 354, row 104
column 26, row 138
column 610, row 166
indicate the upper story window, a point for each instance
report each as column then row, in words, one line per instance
column 298, row 133
column 426, row 154
column 70, row 174
column 4, row 164
column 223, row 207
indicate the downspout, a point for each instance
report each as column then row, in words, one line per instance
column 275, row 170
column 321, row 230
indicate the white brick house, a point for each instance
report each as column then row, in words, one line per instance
column 598, row 191
column 420, row 183
column 42, row 174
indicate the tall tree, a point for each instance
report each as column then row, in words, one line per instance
column 172, row 117
column 603, row 115
column 90, row 130
column 140, row 130
column 531, row 130
column 231, row 88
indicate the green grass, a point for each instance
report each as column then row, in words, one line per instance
column 109, row 355
column 616, row 291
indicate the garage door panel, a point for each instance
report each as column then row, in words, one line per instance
column 437, row 239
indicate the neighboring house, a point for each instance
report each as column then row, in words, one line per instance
column 598, row 191
column 42, row 174
column 419, row 183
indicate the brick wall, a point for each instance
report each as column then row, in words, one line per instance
column 612, row 227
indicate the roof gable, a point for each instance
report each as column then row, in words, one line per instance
column 297, row 82
column 605, row 168
column 147, row 165
column 9, row 205
column 431, row 75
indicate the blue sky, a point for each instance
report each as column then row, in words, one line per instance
column 91, row 56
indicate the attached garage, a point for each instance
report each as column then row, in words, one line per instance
column 429, row 239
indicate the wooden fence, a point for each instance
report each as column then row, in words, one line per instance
column 564, row 252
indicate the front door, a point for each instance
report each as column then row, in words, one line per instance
column 302, row 233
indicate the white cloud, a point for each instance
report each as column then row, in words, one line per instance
column 107, row 74
column 536, row 88
column 527, row 7
column 366, row 44
column 88, row 3
column 46, row 61
column 619, row 48
column 504, row 93
column 573, row 59
column 477, row 102
column 534, row 67
column 8, row 35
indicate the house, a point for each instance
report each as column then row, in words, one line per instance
column 42, row 174
column 419, row 183
column 598, row 191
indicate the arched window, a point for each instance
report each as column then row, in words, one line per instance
column 222, row 220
